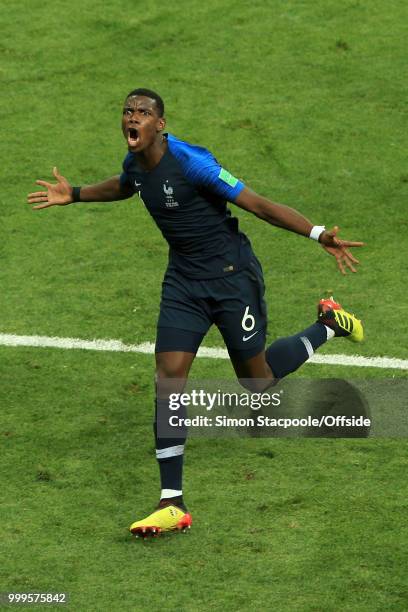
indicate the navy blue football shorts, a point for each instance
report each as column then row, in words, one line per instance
column 235, row 304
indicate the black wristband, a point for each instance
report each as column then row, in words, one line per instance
column 76, row 194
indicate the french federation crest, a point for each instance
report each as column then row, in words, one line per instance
column 168, row 190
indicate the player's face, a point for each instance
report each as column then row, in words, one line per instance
column 141, row 123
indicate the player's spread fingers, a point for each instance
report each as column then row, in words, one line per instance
column 37, row 194
column 340, row 265
column 40, row 199
column 31, row 196
column 350, row 256
column 47, row 205
column 44, row 184
column 349, row 243
column 57, row 174
column 349, row 265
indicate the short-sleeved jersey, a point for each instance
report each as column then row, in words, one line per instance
column 187, row 194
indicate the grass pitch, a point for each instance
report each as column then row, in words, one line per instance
column 306, row 104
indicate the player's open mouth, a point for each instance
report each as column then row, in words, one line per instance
column 133, row 137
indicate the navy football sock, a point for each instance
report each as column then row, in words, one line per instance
column 169, row 452
column 287, row 354
column 171, row 475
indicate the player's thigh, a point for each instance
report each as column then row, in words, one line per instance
column 240, row 314
column 183, row 323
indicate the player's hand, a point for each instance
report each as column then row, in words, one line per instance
column 59, row 194
column 339, row 249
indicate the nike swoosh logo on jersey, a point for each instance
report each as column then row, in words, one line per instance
column 245, row 338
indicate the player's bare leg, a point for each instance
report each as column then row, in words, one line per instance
column 254, row 373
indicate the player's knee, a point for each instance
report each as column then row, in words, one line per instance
column 169, row 367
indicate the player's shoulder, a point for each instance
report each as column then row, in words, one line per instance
column 201, row 168
column 188, row 153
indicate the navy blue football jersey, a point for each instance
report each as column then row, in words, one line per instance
column 187, row 194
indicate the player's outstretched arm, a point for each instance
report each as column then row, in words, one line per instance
column 61, row 192
column 290, row 219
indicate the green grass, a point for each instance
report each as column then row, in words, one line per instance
column 304, row 101
column 312, row 524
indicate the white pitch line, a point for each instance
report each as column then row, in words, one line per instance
column 213, row 353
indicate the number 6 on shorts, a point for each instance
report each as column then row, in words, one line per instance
column 248, row 321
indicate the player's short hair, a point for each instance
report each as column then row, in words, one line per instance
column 141, row 91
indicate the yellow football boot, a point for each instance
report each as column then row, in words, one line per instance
column 339, row 320
column 169, row 518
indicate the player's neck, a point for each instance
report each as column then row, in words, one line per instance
column 150, row 157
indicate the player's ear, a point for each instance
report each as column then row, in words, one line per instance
column 161, row 124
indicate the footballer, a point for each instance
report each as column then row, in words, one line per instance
column 213, row 275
